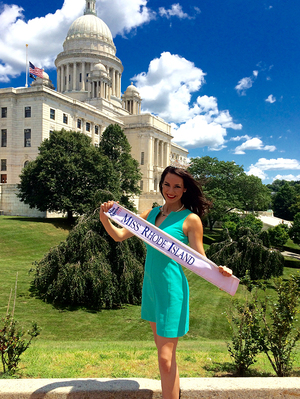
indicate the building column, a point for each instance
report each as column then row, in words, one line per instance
column 68, row 76
column 58, row 79
column 62, row 78
column 156, row 152
column 161, row 148
column 74, row 76
column 113, row 82
column 83, row 77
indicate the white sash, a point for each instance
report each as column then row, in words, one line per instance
column 173, row 248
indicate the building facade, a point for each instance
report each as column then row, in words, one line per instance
column 88, row 99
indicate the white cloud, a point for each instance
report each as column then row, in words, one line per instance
column 255, row 171
column 278, row 164
column 167, row 86
column 264, row 164
column 197, row 132
column 271, row 99
column 167, row 90
column 239, row 138
column 289, row 177
column 175, row 11
column 123, row 16
column 253, row 144
column 15, row 31
column 246, row 83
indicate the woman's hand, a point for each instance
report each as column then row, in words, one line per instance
column 225, row 271
column 105, row 207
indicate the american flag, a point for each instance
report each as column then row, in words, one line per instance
column 35, row 71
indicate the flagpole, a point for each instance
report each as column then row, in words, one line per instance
column 26, row 84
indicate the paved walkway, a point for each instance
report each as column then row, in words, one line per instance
column 291, row 255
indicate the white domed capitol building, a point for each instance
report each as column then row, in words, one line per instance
column 88, row 99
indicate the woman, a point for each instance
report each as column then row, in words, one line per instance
column 165, row 297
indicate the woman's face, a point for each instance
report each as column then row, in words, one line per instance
column 173, row 188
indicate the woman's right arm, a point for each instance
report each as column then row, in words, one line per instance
column 116, row 233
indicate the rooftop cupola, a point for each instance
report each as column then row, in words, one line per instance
column 90, row 7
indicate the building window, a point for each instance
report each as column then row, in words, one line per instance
column 65, row 119
column 142, row 158
column 96, row 129
column 3, row 178
column 50, row 132
column 27, row 112
column 80, row 77
column 4, row 112
column 52, row 113
column 79, row 123
column 27, row 138
column 3, row 165
column 26, row 163
column 3, row 138
column 141, row 185
column 88, row 127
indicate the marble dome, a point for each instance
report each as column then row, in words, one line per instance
column 131, row 89
column 89, row 27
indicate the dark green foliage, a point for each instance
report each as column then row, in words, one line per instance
column 247, row 254
column 90, row 269
column 244, row 320
column 266, row 325
column 12, row 342
column 115, row 146
column 233, row 222
column 279, row 334
column 278, row 235
column 66, row 174
column 294, row 232
column 283, row 200
column 228, row 187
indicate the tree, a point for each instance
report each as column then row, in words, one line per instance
column 283, row 201
column 233, row 222
column 278, row 235
column 218, row 179
column 115, row 146
column 247, row 256
column 253, row 194
column 66, row 174
column 294, row 231
column 90, row 269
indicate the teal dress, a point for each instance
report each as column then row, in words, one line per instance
column 165, row 296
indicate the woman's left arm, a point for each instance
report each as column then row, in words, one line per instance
column 193, row 229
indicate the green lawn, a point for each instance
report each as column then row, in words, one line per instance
column 110, row 343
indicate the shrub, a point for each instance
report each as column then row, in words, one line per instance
column 278, row 235
column 90, row 269
column 247, row 254
column 279, row 334
column 12, row 343
column 244, row 319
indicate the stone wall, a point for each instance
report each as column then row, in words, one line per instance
column 132, row 388
column 11, row 205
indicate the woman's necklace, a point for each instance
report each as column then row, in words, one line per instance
column 167, row 214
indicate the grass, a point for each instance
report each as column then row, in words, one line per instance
column 111, row 343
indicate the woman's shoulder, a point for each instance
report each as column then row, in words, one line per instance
column 145, row 214
column 193, row 220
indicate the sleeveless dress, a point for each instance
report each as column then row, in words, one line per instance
column 165, row 295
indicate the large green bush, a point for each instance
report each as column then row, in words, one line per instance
column 90, row 269
column 246, row 254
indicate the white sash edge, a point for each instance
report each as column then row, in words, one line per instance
column 201, row 265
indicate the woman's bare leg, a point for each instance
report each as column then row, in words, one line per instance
column 166, row 349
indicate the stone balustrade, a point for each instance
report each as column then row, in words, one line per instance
column 132, row 388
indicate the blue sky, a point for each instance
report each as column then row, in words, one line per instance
column 225, row 74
